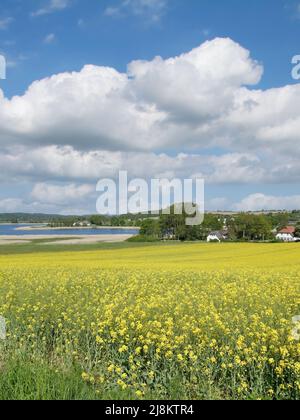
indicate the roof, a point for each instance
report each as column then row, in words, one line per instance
column 288, row 230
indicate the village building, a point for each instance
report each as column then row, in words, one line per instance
column 82, row 224
column 287, row 234
column 217, row 236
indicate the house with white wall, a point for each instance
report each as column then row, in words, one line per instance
column 286, row 234
column 217, row 236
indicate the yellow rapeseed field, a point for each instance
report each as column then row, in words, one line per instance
column 167, row 321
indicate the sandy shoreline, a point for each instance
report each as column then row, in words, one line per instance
column 66, row 240
column 31, row 228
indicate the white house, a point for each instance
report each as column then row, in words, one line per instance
column 287, row 234
column 217, row 236
column 82, row 224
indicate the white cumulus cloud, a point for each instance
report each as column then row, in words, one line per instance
column 60, row 194
column 185, row 100
column 76, row 127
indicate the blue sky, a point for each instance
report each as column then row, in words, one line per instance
column 41, row 38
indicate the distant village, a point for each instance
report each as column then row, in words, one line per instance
column 276, row 226
column 286, row 234
column 225, row 227
column 280, row 233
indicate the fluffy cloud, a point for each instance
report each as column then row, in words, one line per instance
column 87, row 110
column 67, row 164
column 158, row 104
column 79, row 126
column 257, row 202
column 196, row 87
column 62, row 198
column 60, row 194
column 196, row 100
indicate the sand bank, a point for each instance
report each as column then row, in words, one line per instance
column 65, row 240
column 45, row 227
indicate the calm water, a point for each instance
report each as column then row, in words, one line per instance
column 11, row 230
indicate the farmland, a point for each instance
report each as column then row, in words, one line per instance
column 174, row 321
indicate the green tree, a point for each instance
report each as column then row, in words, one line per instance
column 150, row 227
column 97, row 220
column 250, row 227
column 297, row 232
column 173, row 226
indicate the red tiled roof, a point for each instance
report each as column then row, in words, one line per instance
column 289, row 230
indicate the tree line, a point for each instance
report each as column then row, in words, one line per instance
column 237, row 227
